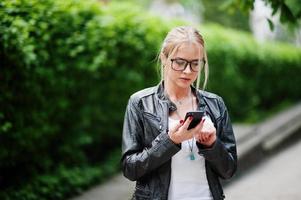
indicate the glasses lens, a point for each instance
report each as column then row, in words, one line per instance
column 196, row 66
column 179, row 64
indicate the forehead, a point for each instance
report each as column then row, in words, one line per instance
column 190, row 51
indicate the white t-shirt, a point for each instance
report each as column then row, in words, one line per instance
column 188, row 177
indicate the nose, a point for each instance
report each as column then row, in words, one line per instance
column 187, row 69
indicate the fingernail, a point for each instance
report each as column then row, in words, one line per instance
column 203, row 120
column 190, row 118
column 181, row 121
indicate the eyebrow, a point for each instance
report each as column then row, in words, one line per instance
column 188, row 60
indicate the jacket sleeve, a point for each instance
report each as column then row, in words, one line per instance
column 222, row 156
column 138, row 160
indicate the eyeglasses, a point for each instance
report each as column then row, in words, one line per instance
column 180, row 64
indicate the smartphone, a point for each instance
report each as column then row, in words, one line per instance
column 197, row 117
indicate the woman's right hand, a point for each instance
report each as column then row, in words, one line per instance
column 179, row 133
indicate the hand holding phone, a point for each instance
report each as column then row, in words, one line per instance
column 196, row 118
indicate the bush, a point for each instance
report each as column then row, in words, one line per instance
column 64, row 181
column 68, row 68
column 252, row 77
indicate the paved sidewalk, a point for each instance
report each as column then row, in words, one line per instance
column 278, row 178
column 118, row 188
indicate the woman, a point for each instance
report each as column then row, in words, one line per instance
column 167, row 160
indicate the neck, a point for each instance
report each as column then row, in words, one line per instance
column 177, row 93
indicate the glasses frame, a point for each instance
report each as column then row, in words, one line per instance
column 187, row 63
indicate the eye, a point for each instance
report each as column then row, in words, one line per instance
column 195, row 64
column 180, row 62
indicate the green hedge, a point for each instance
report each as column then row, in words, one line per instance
column 68, row 68
column 64, row 182
column 253, row 78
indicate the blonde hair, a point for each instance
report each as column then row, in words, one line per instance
column 172, row 42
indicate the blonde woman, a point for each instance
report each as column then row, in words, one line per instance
column 167, row 160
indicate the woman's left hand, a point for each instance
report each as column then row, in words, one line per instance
column 207, row 135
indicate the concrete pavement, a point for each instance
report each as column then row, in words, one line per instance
column 117, row 188
column 277, row 178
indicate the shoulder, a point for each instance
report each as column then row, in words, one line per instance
column 210, row 96
column 143, row 93
column 213, row 100
column 136, row 97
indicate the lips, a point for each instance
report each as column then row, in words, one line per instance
column 185, row 79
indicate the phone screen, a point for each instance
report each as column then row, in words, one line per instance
column 197, row 117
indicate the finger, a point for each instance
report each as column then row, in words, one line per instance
column 198, row 138
column 201, row 139
column 206, row 136
column 202, row 136
column 209, row 131
column 187, row 122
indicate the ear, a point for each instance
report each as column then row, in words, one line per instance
column 163, row 58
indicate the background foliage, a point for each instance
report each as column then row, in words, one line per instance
column 288, row 10
column 253, row 78
column 215, row 12
column 68, row 68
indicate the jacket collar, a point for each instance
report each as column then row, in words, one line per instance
column 172, row 107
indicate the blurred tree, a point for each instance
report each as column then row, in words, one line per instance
column 215, row 11
column 207, row 11
column 289, row 10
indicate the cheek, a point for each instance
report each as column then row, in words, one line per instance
column 169, row 72
column 195, row 76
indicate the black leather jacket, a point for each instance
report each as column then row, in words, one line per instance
column 147, row 149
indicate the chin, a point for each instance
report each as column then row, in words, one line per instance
column 184, row 85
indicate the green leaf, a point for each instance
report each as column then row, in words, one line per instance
column 271, row 24
column 286, row 14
